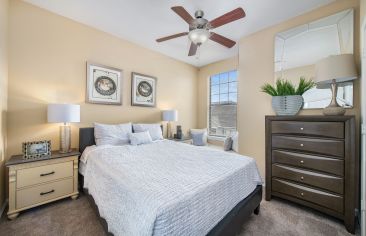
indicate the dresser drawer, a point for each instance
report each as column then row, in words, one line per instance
column 44, row 173
column 323, row 164
column 331, row 201
column 321, row 146
column 41, row 193
column 331, row 183
column 322, row 129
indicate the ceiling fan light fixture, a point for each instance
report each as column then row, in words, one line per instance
column 199, row 36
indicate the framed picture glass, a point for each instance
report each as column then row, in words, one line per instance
column 104, row 85
column 36, row 149
column 143, row 90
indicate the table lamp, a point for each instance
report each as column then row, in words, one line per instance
column 332, row 70
column 64, row 113
column 170, row 115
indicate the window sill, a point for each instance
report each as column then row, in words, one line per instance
column 216, row 138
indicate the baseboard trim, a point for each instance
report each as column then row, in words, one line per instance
column 3, row 207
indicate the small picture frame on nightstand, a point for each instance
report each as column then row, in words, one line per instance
column 36, row 149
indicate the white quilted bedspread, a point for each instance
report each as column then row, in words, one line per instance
column 166, row 188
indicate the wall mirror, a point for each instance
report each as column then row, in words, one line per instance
column 298, row 49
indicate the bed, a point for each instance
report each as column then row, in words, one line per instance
column 168, row 188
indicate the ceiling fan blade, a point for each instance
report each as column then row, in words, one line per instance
column 183, row 13
column 192, row 49
column 222, row 40
column 234, row 15
column 171, row 37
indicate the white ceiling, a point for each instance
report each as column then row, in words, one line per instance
column 143, row 21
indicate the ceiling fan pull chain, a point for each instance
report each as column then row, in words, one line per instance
column 198, row 52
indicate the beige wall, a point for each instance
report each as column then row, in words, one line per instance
column 3, row 92
column 47, row 64
column 256, row 67
column 204, row 74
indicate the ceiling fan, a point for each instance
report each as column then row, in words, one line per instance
column 200, row 28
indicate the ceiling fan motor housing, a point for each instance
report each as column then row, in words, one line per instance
column 199, row 14
column 199, row 22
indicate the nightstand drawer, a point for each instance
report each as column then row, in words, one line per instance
column 38, row 194
column 45, row 173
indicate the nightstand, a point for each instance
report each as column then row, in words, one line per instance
column 34, row 182
column 183, row 140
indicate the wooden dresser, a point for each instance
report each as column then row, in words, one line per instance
column 33, row 182
column 313, row 161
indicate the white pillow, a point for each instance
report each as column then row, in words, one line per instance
column 112, row 134
column 235, row 139
column 200, row 131
column 140, row 138
column 154, row 130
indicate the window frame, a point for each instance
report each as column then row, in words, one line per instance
column 228, row 103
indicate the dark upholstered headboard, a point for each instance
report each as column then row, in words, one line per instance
column 86, row 137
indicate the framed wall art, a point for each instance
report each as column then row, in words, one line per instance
column 36, row 149
column 104, row 84
column 143, row 90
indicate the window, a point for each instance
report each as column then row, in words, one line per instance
column 223, row 100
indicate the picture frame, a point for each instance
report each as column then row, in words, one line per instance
column 103, row 84
column 143, row 90
column 36, row 149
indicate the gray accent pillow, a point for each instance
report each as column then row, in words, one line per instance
column 228, row 144
column 154, row 130
column 140, row 138
column 198, row 139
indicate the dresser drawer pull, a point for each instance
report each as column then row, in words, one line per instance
column 301, row 145
column 302, row 194
column 302, row 162
column 302, row 178
column 44, row 193
column 45, row 174
column 301, row 128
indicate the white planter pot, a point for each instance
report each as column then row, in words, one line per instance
column 287, row 105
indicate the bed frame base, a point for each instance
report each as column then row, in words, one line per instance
column 231, row 225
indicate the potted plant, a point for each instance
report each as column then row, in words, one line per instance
column 286, row 98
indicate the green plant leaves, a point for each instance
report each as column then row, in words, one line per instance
column 286, row 88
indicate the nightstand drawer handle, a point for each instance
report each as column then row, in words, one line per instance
column 44, row 193
column 45, row 174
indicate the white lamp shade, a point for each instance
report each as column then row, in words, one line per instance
column 63, row 113
column 170, row 115
column 340, row 68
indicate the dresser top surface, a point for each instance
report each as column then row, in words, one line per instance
column 18, row 159
column 318, row 118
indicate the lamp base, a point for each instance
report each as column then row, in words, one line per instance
column 65, row 139
column 334, row 109
column 169, row 130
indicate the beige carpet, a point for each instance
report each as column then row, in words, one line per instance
column 68, row 217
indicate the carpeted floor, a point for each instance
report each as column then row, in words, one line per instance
column 68, row 217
